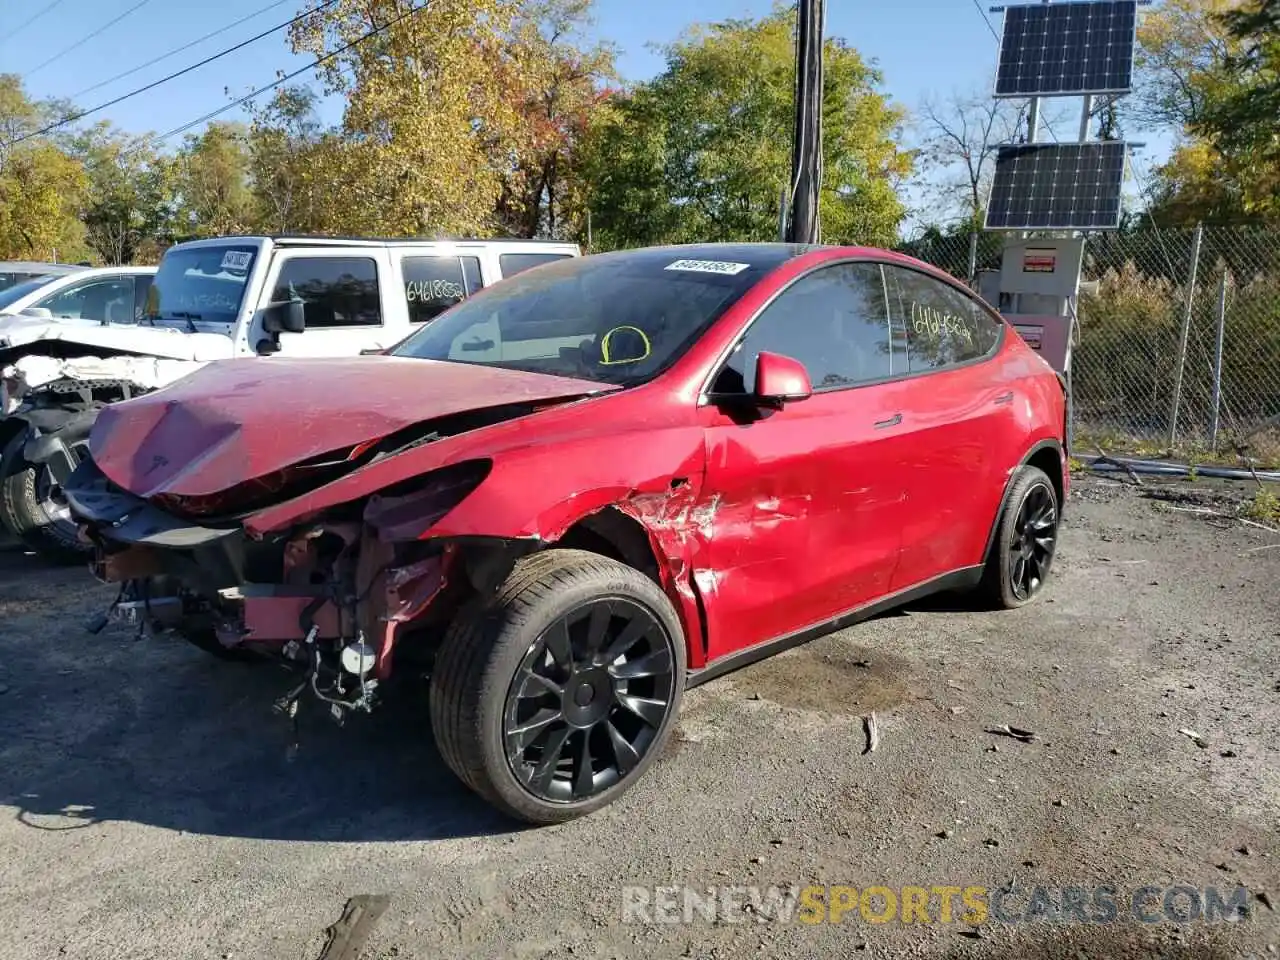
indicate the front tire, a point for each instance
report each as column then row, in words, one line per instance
column 31, row 510
column 553, row 696
column 1025, row 542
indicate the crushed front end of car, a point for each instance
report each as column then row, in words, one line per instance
column 332, row 597
column 172, row 491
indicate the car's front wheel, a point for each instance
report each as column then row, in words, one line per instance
column 33, row 509
column 1025, row 542
column 554, row 696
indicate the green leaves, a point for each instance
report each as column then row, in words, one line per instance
column 703, row 151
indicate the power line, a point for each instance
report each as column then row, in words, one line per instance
column 173, row 76
column 175, row 51
column 282, row 80
column 30, row 20
column 83, row 40
column 985, row 19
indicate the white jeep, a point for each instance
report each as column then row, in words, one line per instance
column 212, row 300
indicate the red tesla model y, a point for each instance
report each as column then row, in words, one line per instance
column 584, row 490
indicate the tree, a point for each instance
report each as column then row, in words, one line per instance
column 41, row 186
column 1182, row 47
column 290, row 156
column 1239, row 115
column 129, row 196
column 702, row 151
column 562, row 93
column 427, row 109
column 959, row 141
column 211, row 183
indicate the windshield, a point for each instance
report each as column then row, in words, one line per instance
column 19, row 290
column 616, row 318
column 201, row 283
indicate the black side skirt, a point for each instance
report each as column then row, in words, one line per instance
column 963, row 579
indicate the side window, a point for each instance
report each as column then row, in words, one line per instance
column 141, row 284
column 944, row 327
column 104, row 301
column 833, row 321
column 336, row 291
column 432, row 285
column 512, row 263
column 471, row 270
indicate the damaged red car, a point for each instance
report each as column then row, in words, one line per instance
column 584, row 490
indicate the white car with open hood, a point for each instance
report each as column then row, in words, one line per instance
column 212, row 300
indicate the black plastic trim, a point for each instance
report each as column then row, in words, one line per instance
column 964, row 578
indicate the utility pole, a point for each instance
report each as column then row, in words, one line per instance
column 806, row 151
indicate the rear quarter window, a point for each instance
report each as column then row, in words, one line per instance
column 944, row 327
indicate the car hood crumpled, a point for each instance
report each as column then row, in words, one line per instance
column 238, row 420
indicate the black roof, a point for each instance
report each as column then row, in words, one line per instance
column 762, row 257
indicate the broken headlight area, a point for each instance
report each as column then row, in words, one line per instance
column 341, row 599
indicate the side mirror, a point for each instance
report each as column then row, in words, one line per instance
column 780, row 380
column 287, row 316
column 42, row 313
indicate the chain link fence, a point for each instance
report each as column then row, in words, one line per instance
column 1178, row 342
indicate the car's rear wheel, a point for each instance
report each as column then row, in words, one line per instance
column 553, row 697
column 1026, row 540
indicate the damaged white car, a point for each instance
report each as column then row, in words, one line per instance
column 213, row 300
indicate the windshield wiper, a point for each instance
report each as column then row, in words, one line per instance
column 183, row 315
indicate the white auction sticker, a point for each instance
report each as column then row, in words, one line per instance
column 708, row 266
column 236, row 260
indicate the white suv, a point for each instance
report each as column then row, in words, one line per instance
column 90, row 294
column 213, row 300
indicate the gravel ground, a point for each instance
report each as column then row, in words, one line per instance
column 153, row 809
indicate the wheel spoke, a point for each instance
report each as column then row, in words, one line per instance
column 583, row 776
column 545, row 770
column 557, row 641
column 631, row 634
column 654, row 664
column 522, row 736
column 1045, row 544
column 533, row 684
column 598, row 627
column 647, row 709
column 1019, row 570
column 623, row 751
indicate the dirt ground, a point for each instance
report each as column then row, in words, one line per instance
column 151, row 807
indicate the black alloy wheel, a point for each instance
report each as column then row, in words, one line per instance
column 1024, row 541
column 588, row 699
column 1035, row 535
column 552, row 696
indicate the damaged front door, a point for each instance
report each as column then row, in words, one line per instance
column 803, row 503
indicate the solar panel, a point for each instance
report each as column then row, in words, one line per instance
column 1057, row 186
column 1067, row 49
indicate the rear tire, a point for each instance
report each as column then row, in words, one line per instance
column 553, row 696
column 1026, row 539
column 25, row 510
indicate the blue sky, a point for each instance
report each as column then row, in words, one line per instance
column 923, row 47
column 939, row 45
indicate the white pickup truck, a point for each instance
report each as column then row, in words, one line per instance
column 212, row 300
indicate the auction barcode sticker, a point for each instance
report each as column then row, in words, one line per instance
column 236, row 260
column 708, row 266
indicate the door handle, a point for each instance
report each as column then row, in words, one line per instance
column 1004, row 398
column 891, row 422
